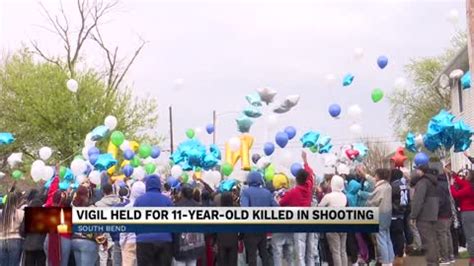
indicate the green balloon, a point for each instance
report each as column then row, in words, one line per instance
column 144, row 151
column 377, row 95
column 117, row 138
column 269, row 173
column 135, row 162
column 62, row 172
column 314, row 149
column 150, row 168
column 227, row 169
column 185, row 177
column 4, row 199
column 17, row 174
column 190, row 133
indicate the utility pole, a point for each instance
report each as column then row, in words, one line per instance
column 470, row 31
column 170, row 110
column 214, row 125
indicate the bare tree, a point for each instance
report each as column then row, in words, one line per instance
column 378, row 154
column 91, row 14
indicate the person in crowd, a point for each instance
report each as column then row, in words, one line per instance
column 443, row 225
column 382, row 198
column 57, row 246
column 188, row 247
column 123, row 193
column 256, row 196
column 301, row 196
column 424, row 212
column 352, row 188
column 11, row 241
column 84, row 246
column 34, row 254
column 462, row 189
column 336, row 241
column 282, row 243
column 153, row 248
column 400, row 206
column 227, row 243
column 128, row 244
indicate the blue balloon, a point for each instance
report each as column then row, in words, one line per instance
column 295, row 168
column 128, row 154
column 290, row 131
column 172, row 182
column 268, row 148
column 334, row 110
column 382, row 61
column 127, row 170
column 6, row 138
column 64, row 185
column 99, row 133
column 466, row 80
column 347, row 80
column 210, row 128
column 410, row 143
column 421, row 159
column 104, row 162
column 155, row 152
column 310, row 139
column 93, row 150
column 93, row 158
column 281, row 139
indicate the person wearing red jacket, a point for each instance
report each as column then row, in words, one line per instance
column 462, row 190
column 57, row 246
column 302, row 196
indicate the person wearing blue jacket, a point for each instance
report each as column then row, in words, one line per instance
column 154, row 248
column 256, row 196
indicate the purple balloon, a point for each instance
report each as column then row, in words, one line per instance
column 295, row 168
column 382, row 61
column 421, row 159
column 127, row 170
column 268, row 148
column 155, row 152
column 128, row 154
column 93, row 150
column 93, row 158
column 281, row 139
column 290, row 131
column 334, row 110
column 210, row 128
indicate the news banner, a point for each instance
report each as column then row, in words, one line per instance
column 220, row 219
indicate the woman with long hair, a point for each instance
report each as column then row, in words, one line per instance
column 84, row 246
column 11, row 241
column 462, row 189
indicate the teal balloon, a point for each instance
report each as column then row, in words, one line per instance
column 410, row 143
column 309, row 139
column 254, row 99
column 244, row 124
column 347, row 80
column 252, row 111
column 466, row 80
column 99, row 133
column 105, row 161
column 6, row 138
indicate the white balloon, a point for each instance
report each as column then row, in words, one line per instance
column 419, row 140
column 2, row 175
column 48, row 172
column 234, row 144
column 212, row 178
column 72, row 85
column 400, row 83
column 37, row 170
column 139, row 173
column 78, row 167
column 354, row 111
column 88, row 142
column 176, row 171
column 125, row 145
column 456, row 74
column 343, row 169
column 198, row 132
column 287, row 158
column 85, row 153
column 216, row 177
column 80, row 178
column 356, row 129
column 94, row 177
column 330, row 160
column 358, row 53
column 14, row 159
column 110, row 122
column 45, row 153
column 453, row 16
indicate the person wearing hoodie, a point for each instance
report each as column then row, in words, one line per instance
column 400, row 207
column 109, row 199
column 462, row 190
column 256, row 196
column 382, row 198
column 128, row 244
column 424, row 210
column 336, row 241
column 443, row 225
column 154, row 248
column 302, row 196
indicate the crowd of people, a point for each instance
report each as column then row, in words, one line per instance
column 427, row 212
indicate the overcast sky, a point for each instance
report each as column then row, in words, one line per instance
column 224, row 50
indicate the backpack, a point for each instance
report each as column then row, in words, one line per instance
column 188, row 246
column 404, row 193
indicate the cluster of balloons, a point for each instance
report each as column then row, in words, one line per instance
column 316, row 142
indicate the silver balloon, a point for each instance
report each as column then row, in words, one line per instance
column 290, row 102
column 267, row 95
column 456, row 74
